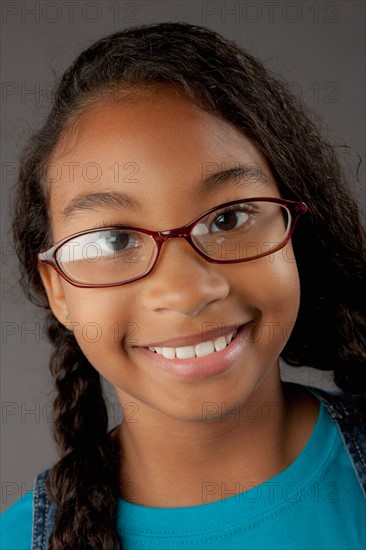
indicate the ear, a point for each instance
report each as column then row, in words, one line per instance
column 52, row 282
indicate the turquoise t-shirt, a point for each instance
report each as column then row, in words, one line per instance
column 316, row 503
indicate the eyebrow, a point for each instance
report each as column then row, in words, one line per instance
column 237, row 174
column 92, row 201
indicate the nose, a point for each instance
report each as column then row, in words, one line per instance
column 183, row 281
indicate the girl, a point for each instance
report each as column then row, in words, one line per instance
column 179, row 200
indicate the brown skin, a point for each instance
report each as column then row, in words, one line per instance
column 170, row 452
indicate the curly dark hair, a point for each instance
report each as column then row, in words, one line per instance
column 329, row 243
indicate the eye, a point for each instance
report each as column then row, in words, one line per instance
column 116, row 241
column 231, row 218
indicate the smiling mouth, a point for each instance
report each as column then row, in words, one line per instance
column 200, row 350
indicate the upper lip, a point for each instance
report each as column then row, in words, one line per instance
column 194, row 339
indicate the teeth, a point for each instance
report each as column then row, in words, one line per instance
column 202, row 349
column 221, row 343
column 228, row 338
column 168, row 353
column 184, row 353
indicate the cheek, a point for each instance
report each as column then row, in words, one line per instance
column 271, row 286
column 285, row 289
column 280, row 278
column 99, row 319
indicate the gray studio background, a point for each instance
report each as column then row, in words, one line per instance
column 318, row 47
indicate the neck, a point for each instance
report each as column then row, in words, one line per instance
column 169, row 462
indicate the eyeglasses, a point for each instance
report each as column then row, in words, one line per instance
column 233, row 232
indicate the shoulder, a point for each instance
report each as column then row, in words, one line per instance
column 348, row 413
column 339, row 403
column 16, row 524
column 343, row 407
column 18, row 520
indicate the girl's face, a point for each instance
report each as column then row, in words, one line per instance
column 156, row 147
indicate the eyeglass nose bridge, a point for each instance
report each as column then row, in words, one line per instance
column 181, row 232
column 162, row 236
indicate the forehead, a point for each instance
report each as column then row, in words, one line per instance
column 144, row 121
column 154, row 144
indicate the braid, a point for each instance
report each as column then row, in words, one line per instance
column 83, row 484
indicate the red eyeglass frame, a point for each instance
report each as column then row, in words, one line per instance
column 296, row 209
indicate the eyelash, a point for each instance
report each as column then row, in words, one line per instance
column 236, row 208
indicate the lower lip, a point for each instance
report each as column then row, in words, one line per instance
column 201, row 367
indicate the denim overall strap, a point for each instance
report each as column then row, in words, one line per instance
column 341, row 407
column 44, row 514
